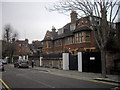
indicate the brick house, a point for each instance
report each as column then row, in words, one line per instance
column 21, row 48
column 73, row 37
column 15, row 49
column 36, row 48
column 48, row 41
column 36, row 52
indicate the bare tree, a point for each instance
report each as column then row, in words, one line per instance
column 9, row 37
column 9, row 33
column 104, row 9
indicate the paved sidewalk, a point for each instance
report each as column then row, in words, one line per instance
column 80, row 75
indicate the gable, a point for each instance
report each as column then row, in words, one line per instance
column 48, row 35
column 83, row 22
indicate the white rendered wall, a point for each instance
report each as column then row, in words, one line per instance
column 20, row 57
column 80, row 61
column 27, row 57
column 41, row 61
column 24, row 57
column 65, row 61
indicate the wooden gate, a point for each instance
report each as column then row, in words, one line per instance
column 73, row 62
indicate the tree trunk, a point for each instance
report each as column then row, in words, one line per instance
column 103, row 61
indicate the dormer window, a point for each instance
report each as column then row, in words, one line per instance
column 90, row 19
column 72, row 27
column 60, row 31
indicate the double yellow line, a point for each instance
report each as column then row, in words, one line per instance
column 5, row 84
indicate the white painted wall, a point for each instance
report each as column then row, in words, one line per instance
column 41, row 61
column 27, row 57
column 65, row 61
column 24, row 57
column 20, row 57
column 80, row 61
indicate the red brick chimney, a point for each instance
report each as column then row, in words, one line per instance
column 73, row 15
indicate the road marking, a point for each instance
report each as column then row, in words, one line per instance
column 5, row 84
column 115, row 84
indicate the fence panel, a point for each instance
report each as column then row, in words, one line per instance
column 52, row 56
column 73, row 62
column 91, row 62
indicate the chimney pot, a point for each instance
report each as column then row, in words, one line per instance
column 53, row 29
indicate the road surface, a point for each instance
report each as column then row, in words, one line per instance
column 31, row 78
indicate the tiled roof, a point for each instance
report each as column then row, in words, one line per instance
column 51, row 36
column 66, row 32
column 21, row 41
column 83, row 28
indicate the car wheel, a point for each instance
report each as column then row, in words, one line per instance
column 2, row 69
column 18, row 66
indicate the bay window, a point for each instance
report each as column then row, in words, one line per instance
column 83, row 36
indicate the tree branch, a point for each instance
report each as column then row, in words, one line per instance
column 116, row 13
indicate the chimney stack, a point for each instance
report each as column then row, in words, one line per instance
column 53, row 29
column 73, row 17
column 26, row 40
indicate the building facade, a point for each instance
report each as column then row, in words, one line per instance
column 36, row 47
column 73, row 37
column 21, row 48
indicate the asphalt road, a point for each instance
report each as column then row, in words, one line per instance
column 30, row 78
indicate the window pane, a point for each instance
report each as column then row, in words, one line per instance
column 87, row 36
column 87, row 33
column 72, row 27
column 82, row 37
column 77, row 38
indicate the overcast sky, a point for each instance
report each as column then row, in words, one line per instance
column 30, row 19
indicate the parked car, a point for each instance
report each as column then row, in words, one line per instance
column 1, row 65
column 21, row 63
column 4, row 61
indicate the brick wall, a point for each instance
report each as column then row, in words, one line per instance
column 110, row 64
column 52, row 63
column 22, row 48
